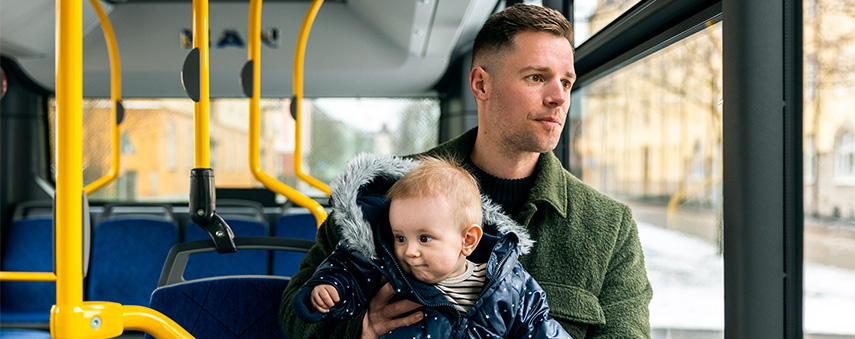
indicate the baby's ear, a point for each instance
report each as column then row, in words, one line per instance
column 471, row 238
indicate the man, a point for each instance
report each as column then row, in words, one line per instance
column 587, row 255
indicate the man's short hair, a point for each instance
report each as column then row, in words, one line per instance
column 445, row 177
column 498, row 32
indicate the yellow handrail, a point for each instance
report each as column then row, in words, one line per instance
column 299, row 59
column 202, row 107
column 27, row 276
column 115, row 97
column 70, row 316
column 254, row 163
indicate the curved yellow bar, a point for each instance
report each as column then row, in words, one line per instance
column 27, row 276
column 100, row 319
column 152, row 322
column 202, row 108
column 254, row 163
column 299, row 60
column 115, row 97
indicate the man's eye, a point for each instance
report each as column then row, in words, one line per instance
column 535, row 78
column 401, row 238
column 567, row 84
column 425, row 238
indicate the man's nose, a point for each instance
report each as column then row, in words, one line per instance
column 556, row 95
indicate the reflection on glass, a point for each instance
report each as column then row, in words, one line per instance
column 157, row 141
column 650, row 136
column 590, row 16
column 829, row 168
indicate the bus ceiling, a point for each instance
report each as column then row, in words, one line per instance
column 356, row 47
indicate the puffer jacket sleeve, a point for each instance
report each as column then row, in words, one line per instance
column 291, row 325
column 353, row 277
column 534, row 320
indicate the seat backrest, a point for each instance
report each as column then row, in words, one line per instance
column 223, row 307
column 296, row 226
column 28, row 247
column 219, row 264
column 128, row 251
column 233, row 307
column 8, row 333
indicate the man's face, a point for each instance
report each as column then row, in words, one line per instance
column 428, row 241
column 529, row 93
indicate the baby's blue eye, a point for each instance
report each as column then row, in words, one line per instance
column 425, row 238
column 401, row 238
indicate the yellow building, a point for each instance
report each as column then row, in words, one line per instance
column 157, row 146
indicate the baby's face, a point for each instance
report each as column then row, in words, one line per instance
column 428, row 241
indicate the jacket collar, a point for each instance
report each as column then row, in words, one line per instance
column 549, row 184
column 358, row 202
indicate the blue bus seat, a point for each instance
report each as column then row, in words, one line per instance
column 295, row 226
column 246, row 219
column 128, row 250
column 28, row 246
column 232, row 307
column 23, row 334
column 223, row 307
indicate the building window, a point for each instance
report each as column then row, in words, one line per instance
column 126, row 147
column 844, row 151
column 810, row 160
column 170, row 147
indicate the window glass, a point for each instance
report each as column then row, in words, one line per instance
column 829, row 162
column 590, row 16
column 157, row 141
column 650, row 136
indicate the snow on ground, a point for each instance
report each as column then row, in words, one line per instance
column 688, row 286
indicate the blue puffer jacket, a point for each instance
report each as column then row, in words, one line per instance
column 511, row 304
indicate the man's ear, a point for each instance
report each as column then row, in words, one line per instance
column 479, row 83
column 471, row 238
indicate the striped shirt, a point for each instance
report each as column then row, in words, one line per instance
column 463, row 290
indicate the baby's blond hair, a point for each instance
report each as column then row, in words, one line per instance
column 442, row 177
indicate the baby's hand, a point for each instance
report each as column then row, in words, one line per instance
column 324, row 297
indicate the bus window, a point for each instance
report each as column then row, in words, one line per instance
column 829, row 168
column 591, row 16
column 157, row 141
column 649, row 135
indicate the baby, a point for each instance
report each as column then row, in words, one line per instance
column 429, row 251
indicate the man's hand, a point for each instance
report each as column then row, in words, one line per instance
column 381, row 314
column 324, row 297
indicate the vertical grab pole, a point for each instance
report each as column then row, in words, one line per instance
column 202, row 107
column 299, row 59
column 69, row 154
column 115, row 98
column 70, row 317
column 252, row 88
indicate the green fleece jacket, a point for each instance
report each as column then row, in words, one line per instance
column 587, row 257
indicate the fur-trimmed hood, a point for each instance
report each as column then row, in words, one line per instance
column 369, row 169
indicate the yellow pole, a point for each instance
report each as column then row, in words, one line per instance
column 115, row 97
column 299, row 59
column 254, row 162
column 70, row 316
column 200, row 41
column 69, row 181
